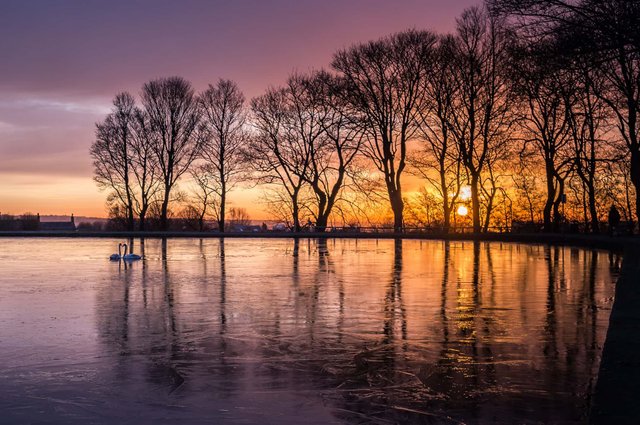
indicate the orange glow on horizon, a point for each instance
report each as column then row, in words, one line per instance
column 80, row 196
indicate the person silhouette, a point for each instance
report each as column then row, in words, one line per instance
column 614, row 219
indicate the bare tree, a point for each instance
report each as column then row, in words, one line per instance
column 617, row 186
column 112, row 154
column 383, row 85
column 175, row 118
column 495, row 170
column 205, row 196
column 547, row 98
column 435, row 115
column 190, row 218
column 239, row 217
column 224, row 117
column 605, row 23
column 424, row 209
column 589, row 117
column 525, row 181
column 144, row 166
column 324, row 122
column 481, row 109
column 623, row 98
column 607, row 32
column 277, row 153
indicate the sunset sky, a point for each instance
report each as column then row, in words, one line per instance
column 62, row 62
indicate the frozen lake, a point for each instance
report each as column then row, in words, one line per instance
column 273, row 331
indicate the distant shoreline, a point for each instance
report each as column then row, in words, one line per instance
column 579, row 240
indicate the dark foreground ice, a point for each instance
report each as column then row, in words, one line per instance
column 283, row 332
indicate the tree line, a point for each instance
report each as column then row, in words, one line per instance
column 531, row 105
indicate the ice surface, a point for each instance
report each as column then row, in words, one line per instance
column 281, row 332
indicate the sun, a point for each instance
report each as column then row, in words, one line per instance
column 465, row 193
column 462, row 210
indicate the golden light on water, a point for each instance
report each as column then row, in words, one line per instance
column 462, row 210
column 352, row 306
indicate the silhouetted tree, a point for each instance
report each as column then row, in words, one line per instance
column 239, row 217
column 481, row 109
column 144, row 166
column 525, row 181
column 547, row 98
column 497, row 167
column 323, row 143
column 175, row 118
column 623, row 98
column 617, row 188
column 224, row 118
column 606, row 31
column 383, row 81
column 190, row 218
column 435, row 115
column 112, row 154
column 588, row 130
column 277, row 153
column 205, row 195
column 336, row 143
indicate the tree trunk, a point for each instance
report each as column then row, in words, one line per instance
column 548, row 205
column 635, row 178
column 223, row 206
column 475, row 202
column 531, row 213
column 447, row 216
column 557, row 216
column 487, row 219
column 143, row 219
column 201, row 220
column 593, row 211
column 585, row 215
column 321, row 223
column 397, row 206
column 323, row 210
column 295, row 213
column 446, row 212
column 130, row 217
column 627, row 199
column 223, row 193
column 164, row 223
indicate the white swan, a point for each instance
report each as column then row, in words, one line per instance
column 129, row 257
column 118, row 256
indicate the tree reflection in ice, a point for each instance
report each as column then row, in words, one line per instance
column 356, row 331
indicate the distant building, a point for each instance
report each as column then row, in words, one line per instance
column 244, row 228
column 57, row 225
